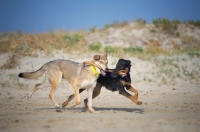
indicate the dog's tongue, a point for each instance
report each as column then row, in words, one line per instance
column 103, row 72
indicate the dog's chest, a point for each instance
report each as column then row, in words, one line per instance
column 89, row 83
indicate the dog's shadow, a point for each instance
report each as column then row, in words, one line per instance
column 135, row 110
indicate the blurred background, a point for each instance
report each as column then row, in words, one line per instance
column 49, row 15
column 97, row 26
column 122, row 27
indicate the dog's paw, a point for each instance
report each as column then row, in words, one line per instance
column 139, row 103
column 97, row 112
column 91, row 110
column 64, row 104
column 28, row 96
column 74, row 104
column 57, row 106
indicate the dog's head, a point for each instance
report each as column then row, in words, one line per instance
column 102, row 61
column 122, row 68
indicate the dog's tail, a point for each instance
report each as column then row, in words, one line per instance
column 32, row 75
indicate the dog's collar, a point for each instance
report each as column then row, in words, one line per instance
column 122, row 76
column 94, row 70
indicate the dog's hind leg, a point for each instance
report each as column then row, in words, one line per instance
column 77, row 95
column 55, row 81
column 70, row 98
column 39, row 86
column 33, row 90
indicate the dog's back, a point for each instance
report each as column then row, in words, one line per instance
column 70, row 70
column 67, row 68
column 109, row 82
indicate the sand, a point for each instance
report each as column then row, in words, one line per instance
column 166, row 107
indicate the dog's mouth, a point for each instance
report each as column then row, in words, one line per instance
column 103, row 73
column 122, row 73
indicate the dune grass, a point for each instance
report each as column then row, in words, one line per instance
column 30, row 44
column 168, row 65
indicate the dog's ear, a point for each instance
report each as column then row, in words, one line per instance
column 120, row 60
column 105, row 54
column 96, row 57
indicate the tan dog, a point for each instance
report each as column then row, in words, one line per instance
column 80, row 75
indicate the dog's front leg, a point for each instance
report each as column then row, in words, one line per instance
column 130, row 88
column 135, row 97
column 89, row 103
column 96, row 92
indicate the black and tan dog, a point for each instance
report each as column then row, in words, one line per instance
column 115, row 80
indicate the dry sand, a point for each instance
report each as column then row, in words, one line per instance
column 165, row 108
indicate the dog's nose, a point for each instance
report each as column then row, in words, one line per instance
column 107, row 69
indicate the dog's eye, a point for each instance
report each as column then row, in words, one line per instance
column 101, row 61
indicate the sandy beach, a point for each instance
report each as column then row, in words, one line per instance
column 167, row 107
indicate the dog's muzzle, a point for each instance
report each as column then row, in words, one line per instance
column 103, row 73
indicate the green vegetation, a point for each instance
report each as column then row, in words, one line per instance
column 170, row 26
column 93, row 29
column 95, row 46
column 27, row 44
column 169, row 70
column 194, row 23
column 116, row 24
column 72, row 39
column 132, row 49
column 167, row 66
column 193, row 53
column 140, row 22
column 110, row 49
column 166, row 25
column 107, row 26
